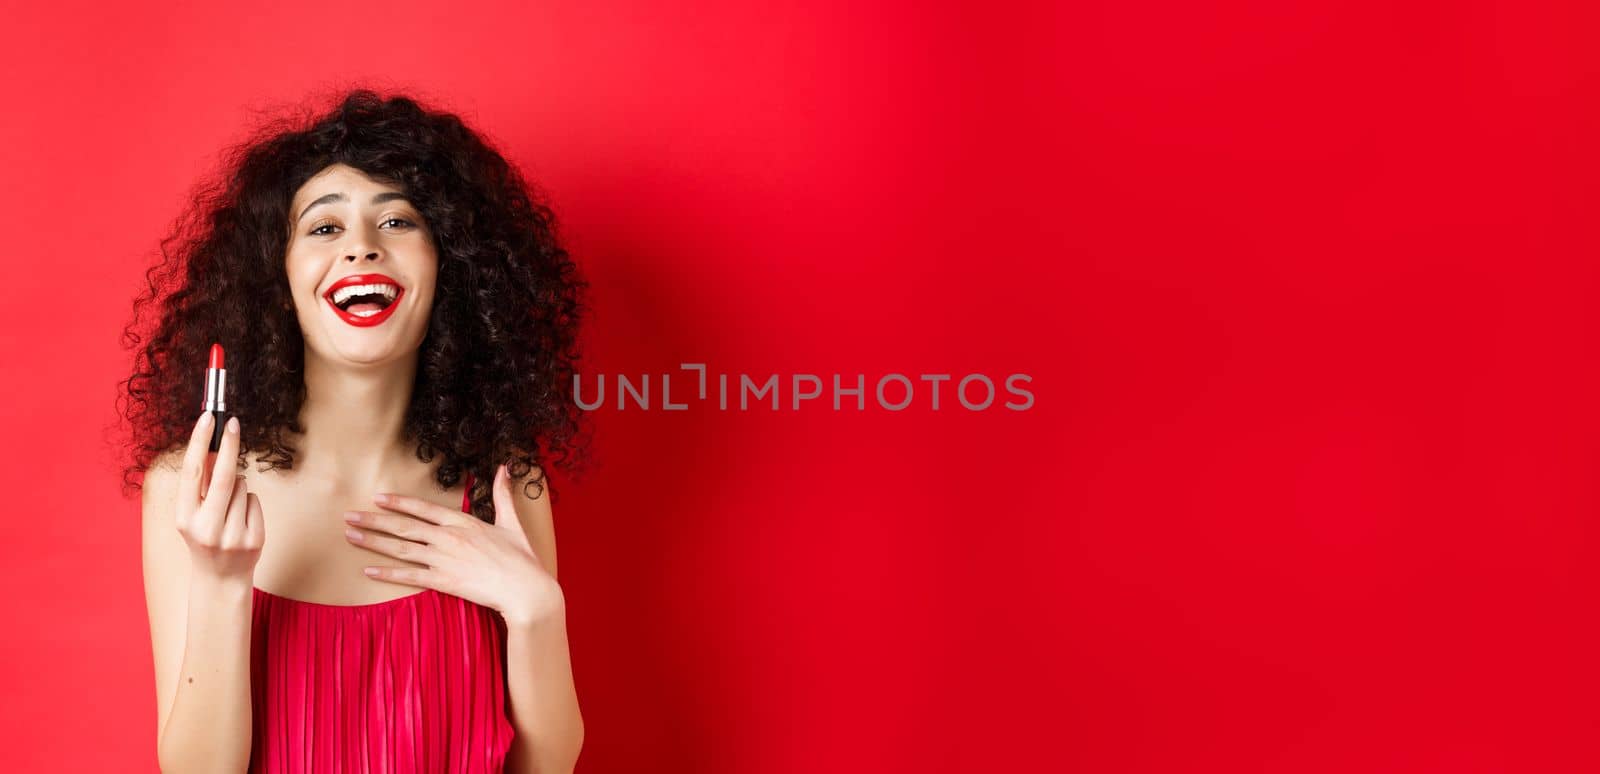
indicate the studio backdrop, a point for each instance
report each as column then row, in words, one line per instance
column 1043, row 387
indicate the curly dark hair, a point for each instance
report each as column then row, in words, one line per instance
column 496, row 367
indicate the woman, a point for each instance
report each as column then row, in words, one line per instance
column 399, row 322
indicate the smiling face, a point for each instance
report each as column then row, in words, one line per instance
column 361, row 266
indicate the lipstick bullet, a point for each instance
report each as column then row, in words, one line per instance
column 216, row 382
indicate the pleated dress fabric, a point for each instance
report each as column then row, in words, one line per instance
column 413, row 685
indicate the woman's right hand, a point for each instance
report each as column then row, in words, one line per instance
column 217, row 517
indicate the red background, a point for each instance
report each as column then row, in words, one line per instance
column 1304, row 290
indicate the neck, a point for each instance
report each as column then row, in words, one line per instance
column 354, row 421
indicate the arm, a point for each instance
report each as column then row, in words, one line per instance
column 544, row 701
column 199, row 623
column 544, row 704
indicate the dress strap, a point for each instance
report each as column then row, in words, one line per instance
column 466, row 497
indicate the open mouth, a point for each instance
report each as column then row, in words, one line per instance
column 364, row 299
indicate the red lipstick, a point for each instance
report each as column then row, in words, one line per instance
column 367, row 307
column 216, row 382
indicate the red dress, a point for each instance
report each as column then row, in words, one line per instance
column 413, row 684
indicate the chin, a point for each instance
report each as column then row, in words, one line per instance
column 369, row 353
column 364, row 348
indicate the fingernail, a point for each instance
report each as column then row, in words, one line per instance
column 205, row 419
column 353, row 534
column 380, row 497
column 370, row 570
column 233, row 424
column 352, row 516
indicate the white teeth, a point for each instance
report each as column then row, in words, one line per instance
column 389, row 291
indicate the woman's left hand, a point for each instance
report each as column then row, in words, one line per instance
column 491, row 564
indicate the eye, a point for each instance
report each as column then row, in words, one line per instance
column 318, row 229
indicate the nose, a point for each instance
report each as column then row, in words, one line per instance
column 363, row 245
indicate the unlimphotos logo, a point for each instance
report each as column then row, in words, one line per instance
column 892, row 392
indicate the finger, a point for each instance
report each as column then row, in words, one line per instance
column 194, row 458
column 210, row 523
column 256, row 529
column 505, row 508
column 223, row 472
column 420, row 508
column 415, row 530
column 205, row 473
column 238, row 511
column 409, row 576
column 420, row 553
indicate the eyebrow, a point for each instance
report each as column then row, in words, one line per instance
column 340, row 197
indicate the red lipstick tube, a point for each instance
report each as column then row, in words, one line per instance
column 216, row 382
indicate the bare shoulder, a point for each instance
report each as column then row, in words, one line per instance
column 159, row 490
column 165, row 555
column 538, row 519
column 166, row 575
